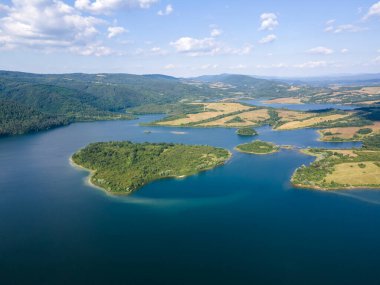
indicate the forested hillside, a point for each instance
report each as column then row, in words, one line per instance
column 62, row 98
column 17, row 119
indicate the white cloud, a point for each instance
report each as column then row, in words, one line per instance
column 344, row 28
column 344, row 50
column 209, row 66
column 330, row 22
column 4, row 8
column 239, row 66
column 216, row 32
column 50, row 25
column 278, row 65
column 153, row 51
column 96, row 49
column 169, row 66
column 268, row 39
column 374, row 10
column 268, row 21
column 107, row 6
column 157, row 51
column 168, row 10
column 311, row 64
column 320, row 50
column 246, row 49
column 194, row 46
column 207, row 46
column 115, row 31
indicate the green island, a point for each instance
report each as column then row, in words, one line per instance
column 342, row 168
column 36, row 102
column 258, row 147
column 123, row 167
column 246, row 132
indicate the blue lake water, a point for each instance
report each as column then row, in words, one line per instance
column 299, row 107
column 241, row 223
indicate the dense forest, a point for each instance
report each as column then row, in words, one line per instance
column 60, row 99
column 122, row 167
column 17, row 119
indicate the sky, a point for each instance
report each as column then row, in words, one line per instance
column 191, row 38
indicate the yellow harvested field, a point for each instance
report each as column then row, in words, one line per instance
column 370, row 90
column 250, row 118
column 191, row 118
column 288, row 100
column 226, row 107
column 293, row 88
column 369, row 102
column 353, row 174
column 256, row 115
column 348, row 132
column 287, row 115
column 310, row 122
column 211, row 110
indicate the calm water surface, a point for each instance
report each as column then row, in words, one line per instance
column 242, row 223
column 299, row 107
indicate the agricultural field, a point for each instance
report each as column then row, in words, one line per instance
column 355, row 174
column 237, row 115
column 368, row 95
column 307, row 123
column 349, row 133
column 340, row 169
column 221, row 114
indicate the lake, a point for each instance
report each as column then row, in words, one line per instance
column 298, row 107
column 241, row 223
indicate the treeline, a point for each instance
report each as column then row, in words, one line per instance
column 122, row 167
column 17, row 119
column 372, row 142
column 258, row 147
column 80, row 93
column 44, row 101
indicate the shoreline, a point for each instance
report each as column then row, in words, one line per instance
column 257, row 153
column 277, row 148
column 319, row 188
column 91, row 172
column 343, row 188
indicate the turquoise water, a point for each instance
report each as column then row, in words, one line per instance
column 241, row 223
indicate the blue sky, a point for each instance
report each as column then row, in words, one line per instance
column 188, row 38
